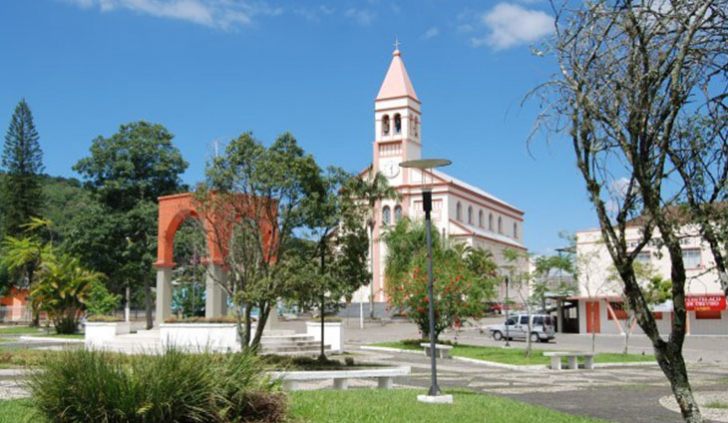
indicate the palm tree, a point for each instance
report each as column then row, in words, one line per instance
column 372, row 188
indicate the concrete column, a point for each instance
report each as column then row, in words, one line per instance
column 164, row 294
column 215, row 298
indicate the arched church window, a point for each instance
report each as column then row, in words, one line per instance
column 397, row 213
column 480, row 219
column 459, row 212
column 386, row 218
column 397, row 124
column 500, row 225
column 416, row 128
column 515, row 230
column 385, row 125
column 490, row 221
column 470, row 215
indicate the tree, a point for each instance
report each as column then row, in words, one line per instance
column 372, row 188
column 127, row 172
column 334, row 221
column 656, row 291
column 62, row 291
column 254, row 199
column 519, row 280
column 23, row 161
column 631, row 73
column 543, row 284
column 463, row 277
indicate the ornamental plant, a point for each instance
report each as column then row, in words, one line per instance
column 463, row 279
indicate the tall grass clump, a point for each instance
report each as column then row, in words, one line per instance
column 95, row 386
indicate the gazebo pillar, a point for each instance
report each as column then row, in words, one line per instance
column 215, row 298
column 164, row 294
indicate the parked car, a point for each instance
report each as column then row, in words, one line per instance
column 516, row 327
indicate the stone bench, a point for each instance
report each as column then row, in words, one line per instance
column 573, row 359
column 443, row 351
column 385, row 377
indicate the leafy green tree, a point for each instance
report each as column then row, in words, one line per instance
column 513, row 263
column 372, row 188
column 23, row 161
column 62, row 291
column 258, row 195
column 127, row 172
column 463, row 277
column 332, row 265
column 99, row 300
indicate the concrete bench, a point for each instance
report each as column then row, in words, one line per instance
column 385, row 377
column 573, row 359
column 443, row 351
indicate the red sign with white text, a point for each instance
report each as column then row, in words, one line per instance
column 705, row 303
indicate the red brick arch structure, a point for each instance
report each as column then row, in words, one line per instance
column 173, row 211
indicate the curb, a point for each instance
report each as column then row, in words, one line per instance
column 501, row 365
column 389, row 349
column 521, row 368
column 50, row 339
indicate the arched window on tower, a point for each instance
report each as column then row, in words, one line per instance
column 416, row 127
column 397, row 124
column 459, row 212
column 385, row 125
column 397, row 213
column 490, row 221
column 386, row 216
column 515, row 230
column 500, row 225
column 480, row 219
column 470, row 215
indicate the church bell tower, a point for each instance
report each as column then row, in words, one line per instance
column 397, row 122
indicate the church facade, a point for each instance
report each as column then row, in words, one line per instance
column 461, row 211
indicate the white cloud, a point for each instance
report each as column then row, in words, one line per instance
column 431, row 33
column 509, row 25
column 221, row 14
column 362, row 17
column 315, row 14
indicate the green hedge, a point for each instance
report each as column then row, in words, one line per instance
column 94, row 386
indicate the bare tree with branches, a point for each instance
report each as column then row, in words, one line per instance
column 631, row 72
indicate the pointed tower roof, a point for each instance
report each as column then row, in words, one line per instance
column 397, row 82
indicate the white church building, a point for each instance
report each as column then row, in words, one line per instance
column 460, row 210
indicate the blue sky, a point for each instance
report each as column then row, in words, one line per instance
column 211, row 69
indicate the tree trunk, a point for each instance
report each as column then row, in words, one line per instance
column 262, row 319
column 322, row 357
column 371, row 289
column 248, row 326
column 148, row 301
column 673, row 365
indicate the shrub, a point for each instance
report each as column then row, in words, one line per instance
column 95, row 386
column 103, row 318
column 417, row 342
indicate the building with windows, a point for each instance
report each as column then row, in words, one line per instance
column 460, row 211
column 599, row 306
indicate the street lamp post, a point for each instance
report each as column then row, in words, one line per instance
column 434, row 395
column 508, row 309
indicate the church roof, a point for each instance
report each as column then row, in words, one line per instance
column 476, row 231
column 457, row 182
column 397, row 83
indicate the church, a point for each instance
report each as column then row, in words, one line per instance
column 460, row 211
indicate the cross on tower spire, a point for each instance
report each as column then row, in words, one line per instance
column 396, row 43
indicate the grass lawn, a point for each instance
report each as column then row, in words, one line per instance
column 400, row 405
column 7, row 340
column 18, row 358
column 515, row 355
column 21, row 330
column 373, row 405
column 17, row 411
